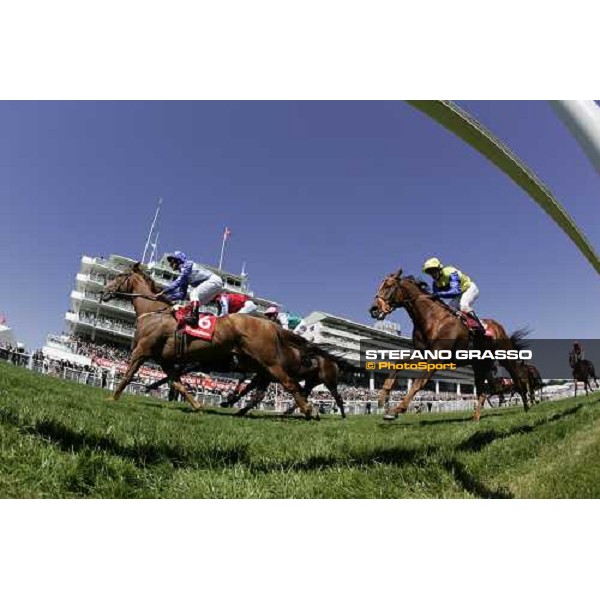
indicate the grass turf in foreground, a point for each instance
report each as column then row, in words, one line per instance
column 59, row 440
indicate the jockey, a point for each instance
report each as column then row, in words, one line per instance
column 204, row 283
column 578, row 352
column 230, row 303
column 454, row 286
column 287, row 320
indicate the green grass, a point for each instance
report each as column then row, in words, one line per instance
column 63, row 440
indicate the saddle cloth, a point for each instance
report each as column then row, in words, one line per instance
column 474, row 326
column 206, row 324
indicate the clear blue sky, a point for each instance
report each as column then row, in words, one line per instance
column 323, row 199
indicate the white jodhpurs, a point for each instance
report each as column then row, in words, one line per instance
column 249, row 308
column 207, row 290
column 466, row 300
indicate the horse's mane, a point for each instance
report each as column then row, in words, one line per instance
column 141, row 271
column 420, row 283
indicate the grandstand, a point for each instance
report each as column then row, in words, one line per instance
column 114, row 322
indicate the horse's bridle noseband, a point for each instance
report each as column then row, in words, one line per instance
column 390, row 304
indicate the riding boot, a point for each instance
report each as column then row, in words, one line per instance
column 476, row 319
column 192, row 320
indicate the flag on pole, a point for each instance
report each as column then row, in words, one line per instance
column 226, row 235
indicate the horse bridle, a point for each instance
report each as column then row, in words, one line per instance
column 390, row 304
column 120, row 294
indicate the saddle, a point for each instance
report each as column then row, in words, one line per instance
column 474, row 326
column 205, row 328
column 471, row 324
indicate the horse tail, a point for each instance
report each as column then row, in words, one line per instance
column 279, row 341
column 517, row 338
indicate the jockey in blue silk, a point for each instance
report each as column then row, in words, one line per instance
column 453, row 286
column 204, row 284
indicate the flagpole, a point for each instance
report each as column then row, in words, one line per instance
column 222, row 250
column 154, row 245
column 151, row 230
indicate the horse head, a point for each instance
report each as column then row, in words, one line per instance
column 389, row 296
column 125, row 283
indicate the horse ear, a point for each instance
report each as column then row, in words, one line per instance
column 399, row 274
column 137, row 267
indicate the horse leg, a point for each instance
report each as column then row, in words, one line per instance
column 481, row 396
column 175, row 377
column 137, row 360
column 593, row 375
column 329, row 377
column 294, row 388
column 386, row 390
column 180, row 387
column 417, row 385
column 261, row 385
column 513, row 371
column 237, row 394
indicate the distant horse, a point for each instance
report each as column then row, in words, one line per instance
column 534, row 382
column 530, row 377
column 583, row 370
column 501, row 387
column 436, row 327
column 258, row 342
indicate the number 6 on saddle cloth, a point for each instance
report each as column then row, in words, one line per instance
column 206, row 324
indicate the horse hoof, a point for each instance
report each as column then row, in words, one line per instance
column 390, row 417
column 224, row 405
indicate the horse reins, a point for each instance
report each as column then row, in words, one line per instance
column 145, row 297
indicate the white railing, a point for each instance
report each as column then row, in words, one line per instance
column 274, row 401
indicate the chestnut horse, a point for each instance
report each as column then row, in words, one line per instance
column 258, row 342
column 435, row 327
column 318, row 366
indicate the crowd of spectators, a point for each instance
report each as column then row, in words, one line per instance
column 103, row 321
column 107, row 350
column 14, row 354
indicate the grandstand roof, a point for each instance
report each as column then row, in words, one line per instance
column 359, row 328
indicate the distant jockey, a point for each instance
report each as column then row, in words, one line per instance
column 578, row 352
column 204, row 283
column 453, row 286
column 230, row 303
column 287, row 320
